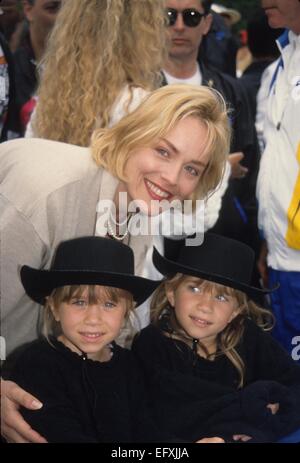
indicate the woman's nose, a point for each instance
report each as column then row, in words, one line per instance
column 171, row 174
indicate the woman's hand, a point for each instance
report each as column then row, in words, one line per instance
column 237, row 170
column 210, row 440
column 273, row 407
column 13, row 427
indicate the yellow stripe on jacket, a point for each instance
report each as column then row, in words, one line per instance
column 293, row 214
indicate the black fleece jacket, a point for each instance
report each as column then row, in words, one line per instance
column 193, row 397
column 84, row 400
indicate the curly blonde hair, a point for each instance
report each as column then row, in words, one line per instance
column 96, row 48
column 228, row 339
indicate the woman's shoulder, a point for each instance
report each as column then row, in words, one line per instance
column 40, row 167
column 31, row 153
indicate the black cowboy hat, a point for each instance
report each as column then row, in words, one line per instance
column 88, row 261
column 218, row 259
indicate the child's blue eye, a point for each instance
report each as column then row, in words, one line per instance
column 109, row 305
column 79, row 302
column 222, row 298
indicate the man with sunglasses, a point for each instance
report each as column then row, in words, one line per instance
column 189, row 21
column 219, row 46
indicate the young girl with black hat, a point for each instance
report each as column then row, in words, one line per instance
column 89, row 386
column 208, row 363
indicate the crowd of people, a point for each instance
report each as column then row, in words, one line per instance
column 149, row 222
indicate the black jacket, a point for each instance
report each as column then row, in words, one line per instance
column 84, row 400
column 219, row 47
column 194, row 397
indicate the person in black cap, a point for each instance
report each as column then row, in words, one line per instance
column 208, row 363
column 89, row 386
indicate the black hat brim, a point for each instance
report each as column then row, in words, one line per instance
column 39, row 284
column 168, row 268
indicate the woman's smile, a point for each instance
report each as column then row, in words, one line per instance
column 156, row 192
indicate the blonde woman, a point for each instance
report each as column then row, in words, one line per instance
column 172, row 147
column 106, row 55
column 103, row 56
column 208, row 363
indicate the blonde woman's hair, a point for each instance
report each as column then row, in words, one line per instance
column 229, row 338
column 95, row 49
column 159, row 112
column 64, row 294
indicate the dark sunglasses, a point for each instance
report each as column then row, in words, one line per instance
column 191, row 17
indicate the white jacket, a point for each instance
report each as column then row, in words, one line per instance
column 278, row 186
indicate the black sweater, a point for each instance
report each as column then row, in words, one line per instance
column 84, row 400
column 195, row 397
